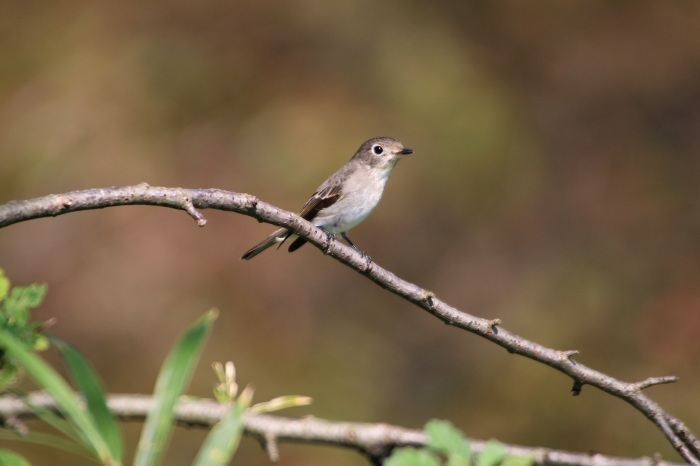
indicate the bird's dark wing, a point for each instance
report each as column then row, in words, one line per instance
column 325, row 196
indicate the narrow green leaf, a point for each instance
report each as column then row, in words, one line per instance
column 492, row 454
column 173, row 377
column 49, row 440
column 8, row 373
column 412, row 457
column 9, row 458
column 222, row 442
column 4, row 285
column 47, row 378
column 518, row 461
column 54, row 420
column 456, row 460
column 89, row 385
column 281, row 402
column 446, row 438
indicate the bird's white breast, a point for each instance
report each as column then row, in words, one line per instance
column 360, row 195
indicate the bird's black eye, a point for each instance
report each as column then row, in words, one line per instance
column 377, row 149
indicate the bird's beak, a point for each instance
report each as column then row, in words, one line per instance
column 406, row 151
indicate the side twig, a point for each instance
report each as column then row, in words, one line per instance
column 680, row 437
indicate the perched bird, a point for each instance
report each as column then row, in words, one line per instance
column 347, row 197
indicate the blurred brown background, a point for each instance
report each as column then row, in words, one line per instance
column 555, row 185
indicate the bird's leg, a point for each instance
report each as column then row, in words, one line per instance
column 364, row 254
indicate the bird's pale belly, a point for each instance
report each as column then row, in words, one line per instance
column 347, row 212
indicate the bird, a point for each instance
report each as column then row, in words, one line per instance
column 347, row 197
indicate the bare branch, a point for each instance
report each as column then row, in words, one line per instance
column 682, row 439
column 651, row 381
column 375, row 441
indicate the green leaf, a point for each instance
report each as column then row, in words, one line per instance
column 456, row 460
column 48, row 379
column 15, row 305
column 281, row 402
column 445, row 438
column 173, row 378
column 518, row 461
column 492, row 454
column 4, row 285
column 411, row 457
column 50, row 440
column 41, row 343
column 53, row 419
column 222, row 442
column 8, row 373
column 8, row 458
column 21, row 300
column 89, row 385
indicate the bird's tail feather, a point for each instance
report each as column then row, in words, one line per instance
column 278, row 236
column 296, row 244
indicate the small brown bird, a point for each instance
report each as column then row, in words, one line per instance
column 347, row 197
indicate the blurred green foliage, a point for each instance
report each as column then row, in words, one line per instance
column 448, row 445
column 92, row 430
column 16, row 304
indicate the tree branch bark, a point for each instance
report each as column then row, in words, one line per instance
column 375, row 441
column 189, row 200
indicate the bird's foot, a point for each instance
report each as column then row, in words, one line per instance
column 365, row 256
column 330, row 237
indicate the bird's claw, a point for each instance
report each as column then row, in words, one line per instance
column 330, row 237
column 368, row 260
column 365, row 256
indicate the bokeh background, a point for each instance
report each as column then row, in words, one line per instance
column 555, row 185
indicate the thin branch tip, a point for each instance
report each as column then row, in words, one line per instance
column 250, row 201
column 428, row 298
column 651, row 381
column 65, row 203
column 568, row 355
column 493, row 323
column 271, row 448
column 195, row 214
column 188, row 206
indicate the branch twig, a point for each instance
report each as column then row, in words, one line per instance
column 375, row 441
column 189, row 200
